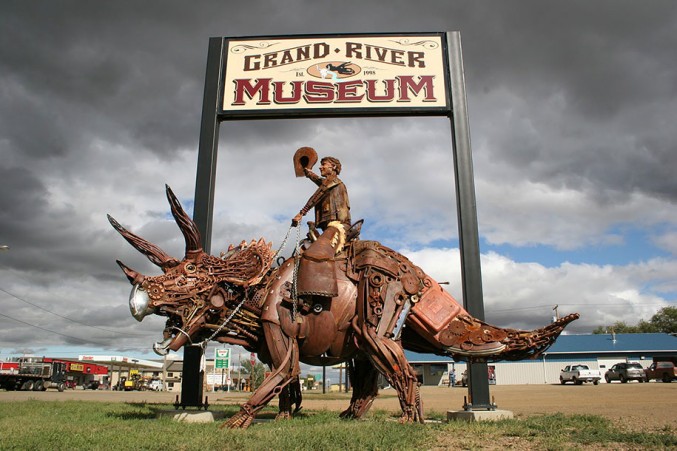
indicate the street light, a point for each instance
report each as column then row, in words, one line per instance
column 4, row 247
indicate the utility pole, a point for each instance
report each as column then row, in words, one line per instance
column 239, row 371
column 223, row 371
column 164, row 373
column 340, row 376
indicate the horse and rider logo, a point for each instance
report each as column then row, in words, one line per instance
column 335, row 71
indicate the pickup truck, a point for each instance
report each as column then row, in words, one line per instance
column 664, row 371
column 579, row 374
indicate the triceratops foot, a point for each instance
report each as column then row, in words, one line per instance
column 283, row 415
column 409, row 416
column 347, row 414
column 350, row 414
column 357, row 409
column 240, row 420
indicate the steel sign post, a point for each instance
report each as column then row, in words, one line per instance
column 209, row 143
column 206, row 176
column 468, row 234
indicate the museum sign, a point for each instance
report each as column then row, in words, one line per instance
column 330, row 73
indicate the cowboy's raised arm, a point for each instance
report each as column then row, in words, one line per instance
column 312, row 176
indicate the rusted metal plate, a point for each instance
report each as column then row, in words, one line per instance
column 436, row 309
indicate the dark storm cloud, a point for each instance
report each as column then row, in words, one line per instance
column 602, row 53
column 24, row 212
column 100, row 105
column 136, row 78
column 75, row 70
column 22, row 196
column 609, row 69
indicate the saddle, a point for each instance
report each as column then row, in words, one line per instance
column 317, row 268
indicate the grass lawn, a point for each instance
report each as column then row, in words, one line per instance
column 67, row 425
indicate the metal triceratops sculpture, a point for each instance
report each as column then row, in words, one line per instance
column 385, row 304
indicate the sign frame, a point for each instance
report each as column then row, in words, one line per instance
column 455, row 109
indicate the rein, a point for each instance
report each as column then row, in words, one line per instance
column 297, row 250
column 297, row 261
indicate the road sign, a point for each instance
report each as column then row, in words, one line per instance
column 222, row 358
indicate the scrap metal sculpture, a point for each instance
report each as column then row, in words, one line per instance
column 383, row 304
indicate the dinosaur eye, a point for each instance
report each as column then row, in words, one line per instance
column 190, row 267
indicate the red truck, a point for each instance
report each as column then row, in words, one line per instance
column 33, row 374
column 665, row 371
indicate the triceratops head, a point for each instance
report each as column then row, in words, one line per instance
column 192, row 292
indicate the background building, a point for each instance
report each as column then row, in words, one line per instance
column 597, row 351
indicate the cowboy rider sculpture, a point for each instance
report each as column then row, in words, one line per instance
column 316, row 276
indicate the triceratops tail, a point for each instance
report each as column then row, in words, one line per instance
column 522, row 344
column 467, row 338
column 438, row 324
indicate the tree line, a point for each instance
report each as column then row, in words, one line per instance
column 664, row 321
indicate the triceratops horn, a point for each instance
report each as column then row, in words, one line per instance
column 154, row 253
column 186, row 224
column 134, row 277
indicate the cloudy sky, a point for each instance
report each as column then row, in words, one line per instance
column 572, row 108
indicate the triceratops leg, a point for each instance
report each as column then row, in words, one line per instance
column 285, row 363
column 364, row 381
column 388, row 357
column 290, row 395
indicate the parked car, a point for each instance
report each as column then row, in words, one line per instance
column 157, row 385
column 664, row 371
column 625, row 372
column 91, row 385
column 579, row 374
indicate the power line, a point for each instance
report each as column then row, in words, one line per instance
column 15, row 275
column 65, row 317
column 52, row 331
column 104, row 344
column 533, row 307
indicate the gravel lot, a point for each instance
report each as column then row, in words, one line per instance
column 647, row 407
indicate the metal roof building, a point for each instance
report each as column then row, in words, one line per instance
column 597, row 351
column 606, row 344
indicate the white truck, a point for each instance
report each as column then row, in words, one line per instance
column 579, row 374
column 155, row 385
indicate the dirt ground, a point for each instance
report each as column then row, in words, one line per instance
column 647, row 407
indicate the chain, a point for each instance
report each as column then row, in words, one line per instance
column 297, row 250
column 284, row 242
column 297, row 261
column 204, row 342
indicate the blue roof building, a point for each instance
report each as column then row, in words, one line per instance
column 654, row 345
column 597, row 351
